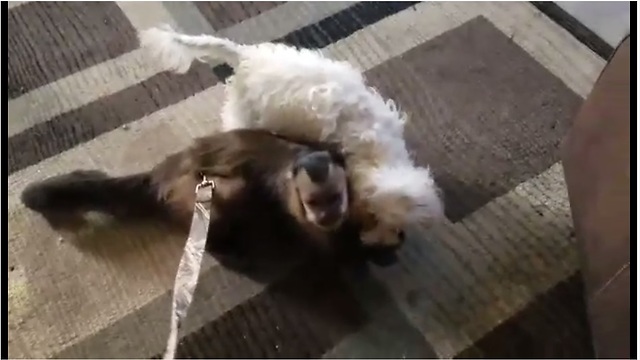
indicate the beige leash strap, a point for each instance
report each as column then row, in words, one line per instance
column 189, row 268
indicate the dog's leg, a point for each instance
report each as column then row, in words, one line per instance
column 236, row 113
column 233, row 117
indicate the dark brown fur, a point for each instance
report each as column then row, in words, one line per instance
column 249, row 167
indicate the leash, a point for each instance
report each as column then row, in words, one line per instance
column 189, row 267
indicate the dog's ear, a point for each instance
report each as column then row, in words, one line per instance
column 366, row 220
column 339, row 158
column 338, row 154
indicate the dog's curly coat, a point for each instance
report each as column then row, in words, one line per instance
column 304, row 95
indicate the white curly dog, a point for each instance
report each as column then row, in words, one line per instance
column 301, row 94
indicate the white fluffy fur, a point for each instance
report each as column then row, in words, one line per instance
column 302, row 94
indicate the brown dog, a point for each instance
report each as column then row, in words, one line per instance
column 263, row 181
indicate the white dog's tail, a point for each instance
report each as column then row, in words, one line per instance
column 178, row 51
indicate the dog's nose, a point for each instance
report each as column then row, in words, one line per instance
column 401, row 236
column 383, row 257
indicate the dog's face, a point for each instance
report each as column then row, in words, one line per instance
column 321, row 184
column 381, row 235
column 383, row 219
column 400, row 196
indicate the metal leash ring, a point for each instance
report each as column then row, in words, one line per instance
column 202, row 197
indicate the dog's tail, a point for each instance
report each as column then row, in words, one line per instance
column 178, row 51
column 80, row 191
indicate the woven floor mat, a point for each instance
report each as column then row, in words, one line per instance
column 490, row 89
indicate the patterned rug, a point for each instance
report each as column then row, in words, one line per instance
column 491, row 89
